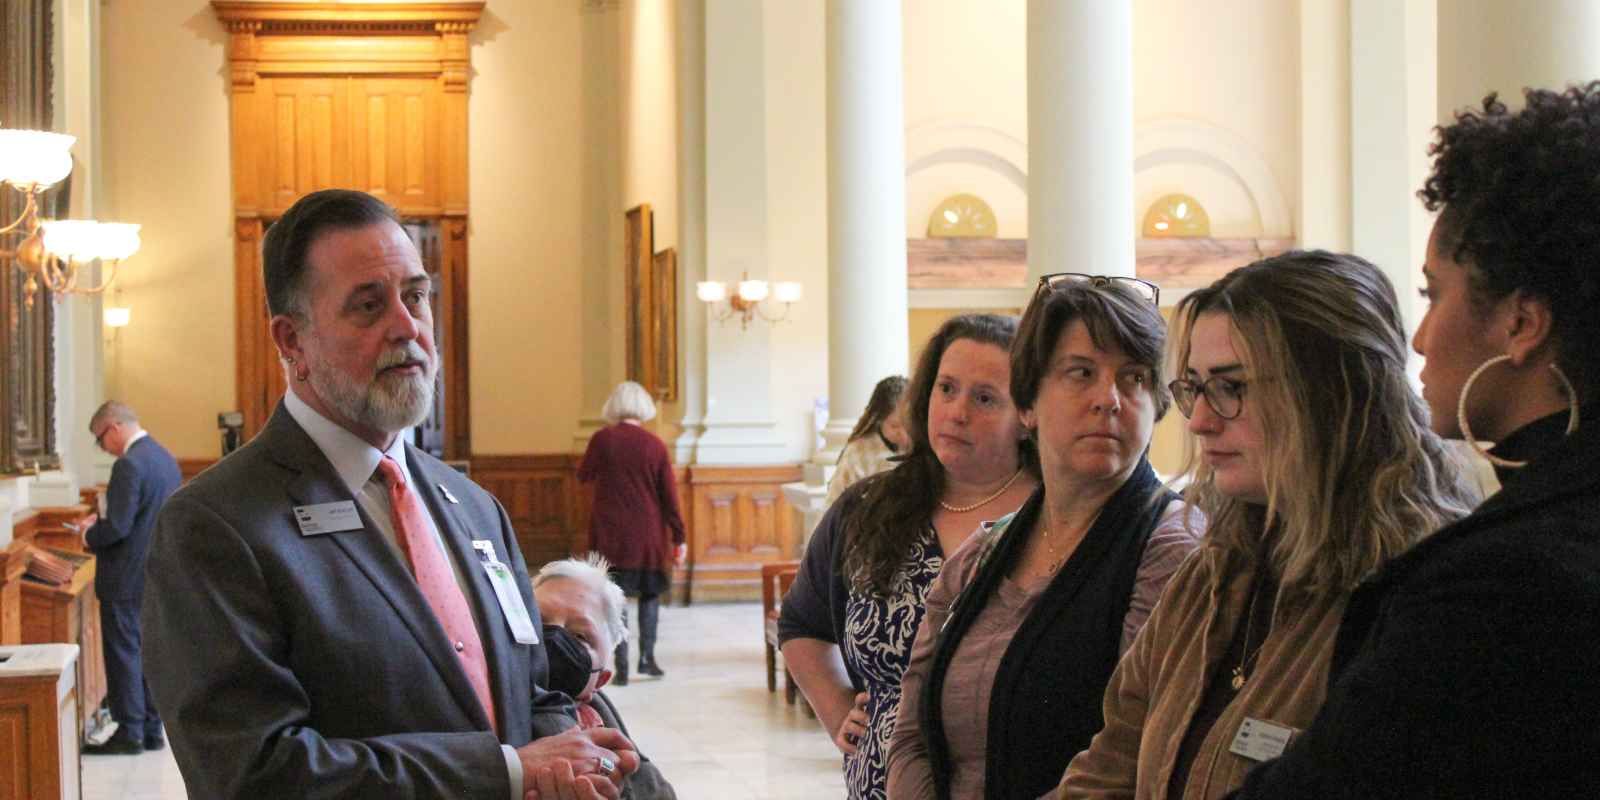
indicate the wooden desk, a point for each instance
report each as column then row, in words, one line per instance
column 38, row 723
column 50, row 527
column 69, row 614
column 13, row 562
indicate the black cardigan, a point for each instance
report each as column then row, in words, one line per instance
column 1470, row 666
column 1047, row 699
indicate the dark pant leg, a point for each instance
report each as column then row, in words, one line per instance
column 620, row 674
column 152, row 717
column 125, row 690
column 649, row 617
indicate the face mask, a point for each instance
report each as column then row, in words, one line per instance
column 570, row 664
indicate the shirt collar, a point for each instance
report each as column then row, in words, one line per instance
column 352, row 458
column 134, row 438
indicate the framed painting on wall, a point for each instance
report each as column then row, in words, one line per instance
column 665, row 296
column 638, row 253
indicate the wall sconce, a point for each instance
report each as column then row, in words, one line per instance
column 50, row 252
column 746, row 299
column 117, row 317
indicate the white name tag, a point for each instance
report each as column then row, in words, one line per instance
column 504, row 582
column 1259, row 740
column 328, row 518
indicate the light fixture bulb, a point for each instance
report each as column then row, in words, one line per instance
column 117, row 317
column 116, row 240
column 37, row 159
column 752, row 291
column 711, row 291
column 75, row 240
column 786, row 292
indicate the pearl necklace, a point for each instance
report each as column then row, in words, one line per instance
column 985, row 501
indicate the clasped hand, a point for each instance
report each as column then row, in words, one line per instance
column 571, row 765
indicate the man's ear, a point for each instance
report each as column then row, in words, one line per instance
column 285, row 330
column 601, row 681
column 1530, row 326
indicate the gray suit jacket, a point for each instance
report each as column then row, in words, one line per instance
column 311, row 666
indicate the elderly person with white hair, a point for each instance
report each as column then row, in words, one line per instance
column 582, row 612
column 635, row 512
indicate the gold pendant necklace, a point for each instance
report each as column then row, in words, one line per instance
column 1249, row 656
column 985, row 501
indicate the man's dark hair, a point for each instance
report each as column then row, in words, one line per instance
column 1519, row 193
column 283, row 253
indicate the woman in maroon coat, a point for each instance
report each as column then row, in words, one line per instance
column 635, row 509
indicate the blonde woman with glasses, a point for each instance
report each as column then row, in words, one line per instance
column 1312, row 458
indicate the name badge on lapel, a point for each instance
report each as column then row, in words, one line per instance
column 1259, row 740
column 504, row 582
column 328, row 518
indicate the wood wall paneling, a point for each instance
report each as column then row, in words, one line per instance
column 740, row 521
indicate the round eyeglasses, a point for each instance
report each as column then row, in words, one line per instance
column 1225, row 395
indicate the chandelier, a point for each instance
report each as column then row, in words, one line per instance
column 51, row 252
column 746, row 299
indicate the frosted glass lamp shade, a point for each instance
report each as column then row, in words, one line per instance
column 117, row 240
column 711, row 291
column 36, row 159
column 786, row 292
column 752, row 291
column 76, row 240
column 117, row 317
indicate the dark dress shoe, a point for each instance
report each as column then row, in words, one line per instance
column 650, row 668
column 117, row 745
column 155, row 741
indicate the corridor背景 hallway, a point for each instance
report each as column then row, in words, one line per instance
column 710, row 724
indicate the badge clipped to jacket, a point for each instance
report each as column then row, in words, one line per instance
column 505, row 590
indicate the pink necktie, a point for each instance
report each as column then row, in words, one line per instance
column 438, row 581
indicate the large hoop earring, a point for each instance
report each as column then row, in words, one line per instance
column 1466, row 431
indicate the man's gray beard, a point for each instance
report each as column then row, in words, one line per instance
column 374, row 405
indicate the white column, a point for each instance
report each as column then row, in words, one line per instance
column 1322, row 217
column 691, row 59
column 1080, row 137
column 739, row 426
column 1393, row 85
column 1506, row 45
column 866, row 210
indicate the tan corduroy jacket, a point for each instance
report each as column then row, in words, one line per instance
column 1158, row 685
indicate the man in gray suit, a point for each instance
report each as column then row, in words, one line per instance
column 332, row 612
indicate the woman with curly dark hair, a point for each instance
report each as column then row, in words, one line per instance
column 848, row 622
column 1468, row 667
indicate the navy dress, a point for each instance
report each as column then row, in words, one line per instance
column 873, row 632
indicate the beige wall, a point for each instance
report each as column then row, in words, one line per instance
column 164, row 164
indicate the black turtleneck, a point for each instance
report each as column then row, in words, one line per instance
column 1532, row 440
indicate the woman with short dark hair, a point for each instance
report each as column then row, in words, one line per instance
column 1468, row 666
column 1028, row 618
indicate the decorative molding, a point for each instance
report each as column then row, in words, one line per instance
column 1184, row 141
column 321, row 18
column 598, row 6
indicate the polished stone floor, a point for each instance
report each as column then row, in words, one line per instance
column 710, row 724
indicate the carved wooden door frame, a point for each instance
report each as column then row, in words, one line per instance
column 349, row 42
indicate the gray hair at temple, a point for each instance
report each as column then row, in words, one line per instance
column 113, row 411
column 629, row 401
column 594, row 570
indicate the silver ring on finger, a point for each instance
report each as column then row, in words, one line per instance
column 605, row 765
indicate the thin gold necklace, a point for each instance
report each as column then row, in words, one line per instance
column 985, row 501
column 1249, row 656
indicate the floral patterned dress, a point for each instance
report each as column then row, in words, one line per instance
column 879, row 631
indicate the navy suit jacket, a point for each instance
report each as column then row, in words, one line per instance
column 141, row 481
column 287, row 665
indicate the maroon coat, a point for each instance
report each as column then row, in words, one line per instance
column 635, row 498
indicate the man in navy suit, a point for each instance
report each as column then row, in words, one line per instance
column 334, row 613
column 144, row 476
